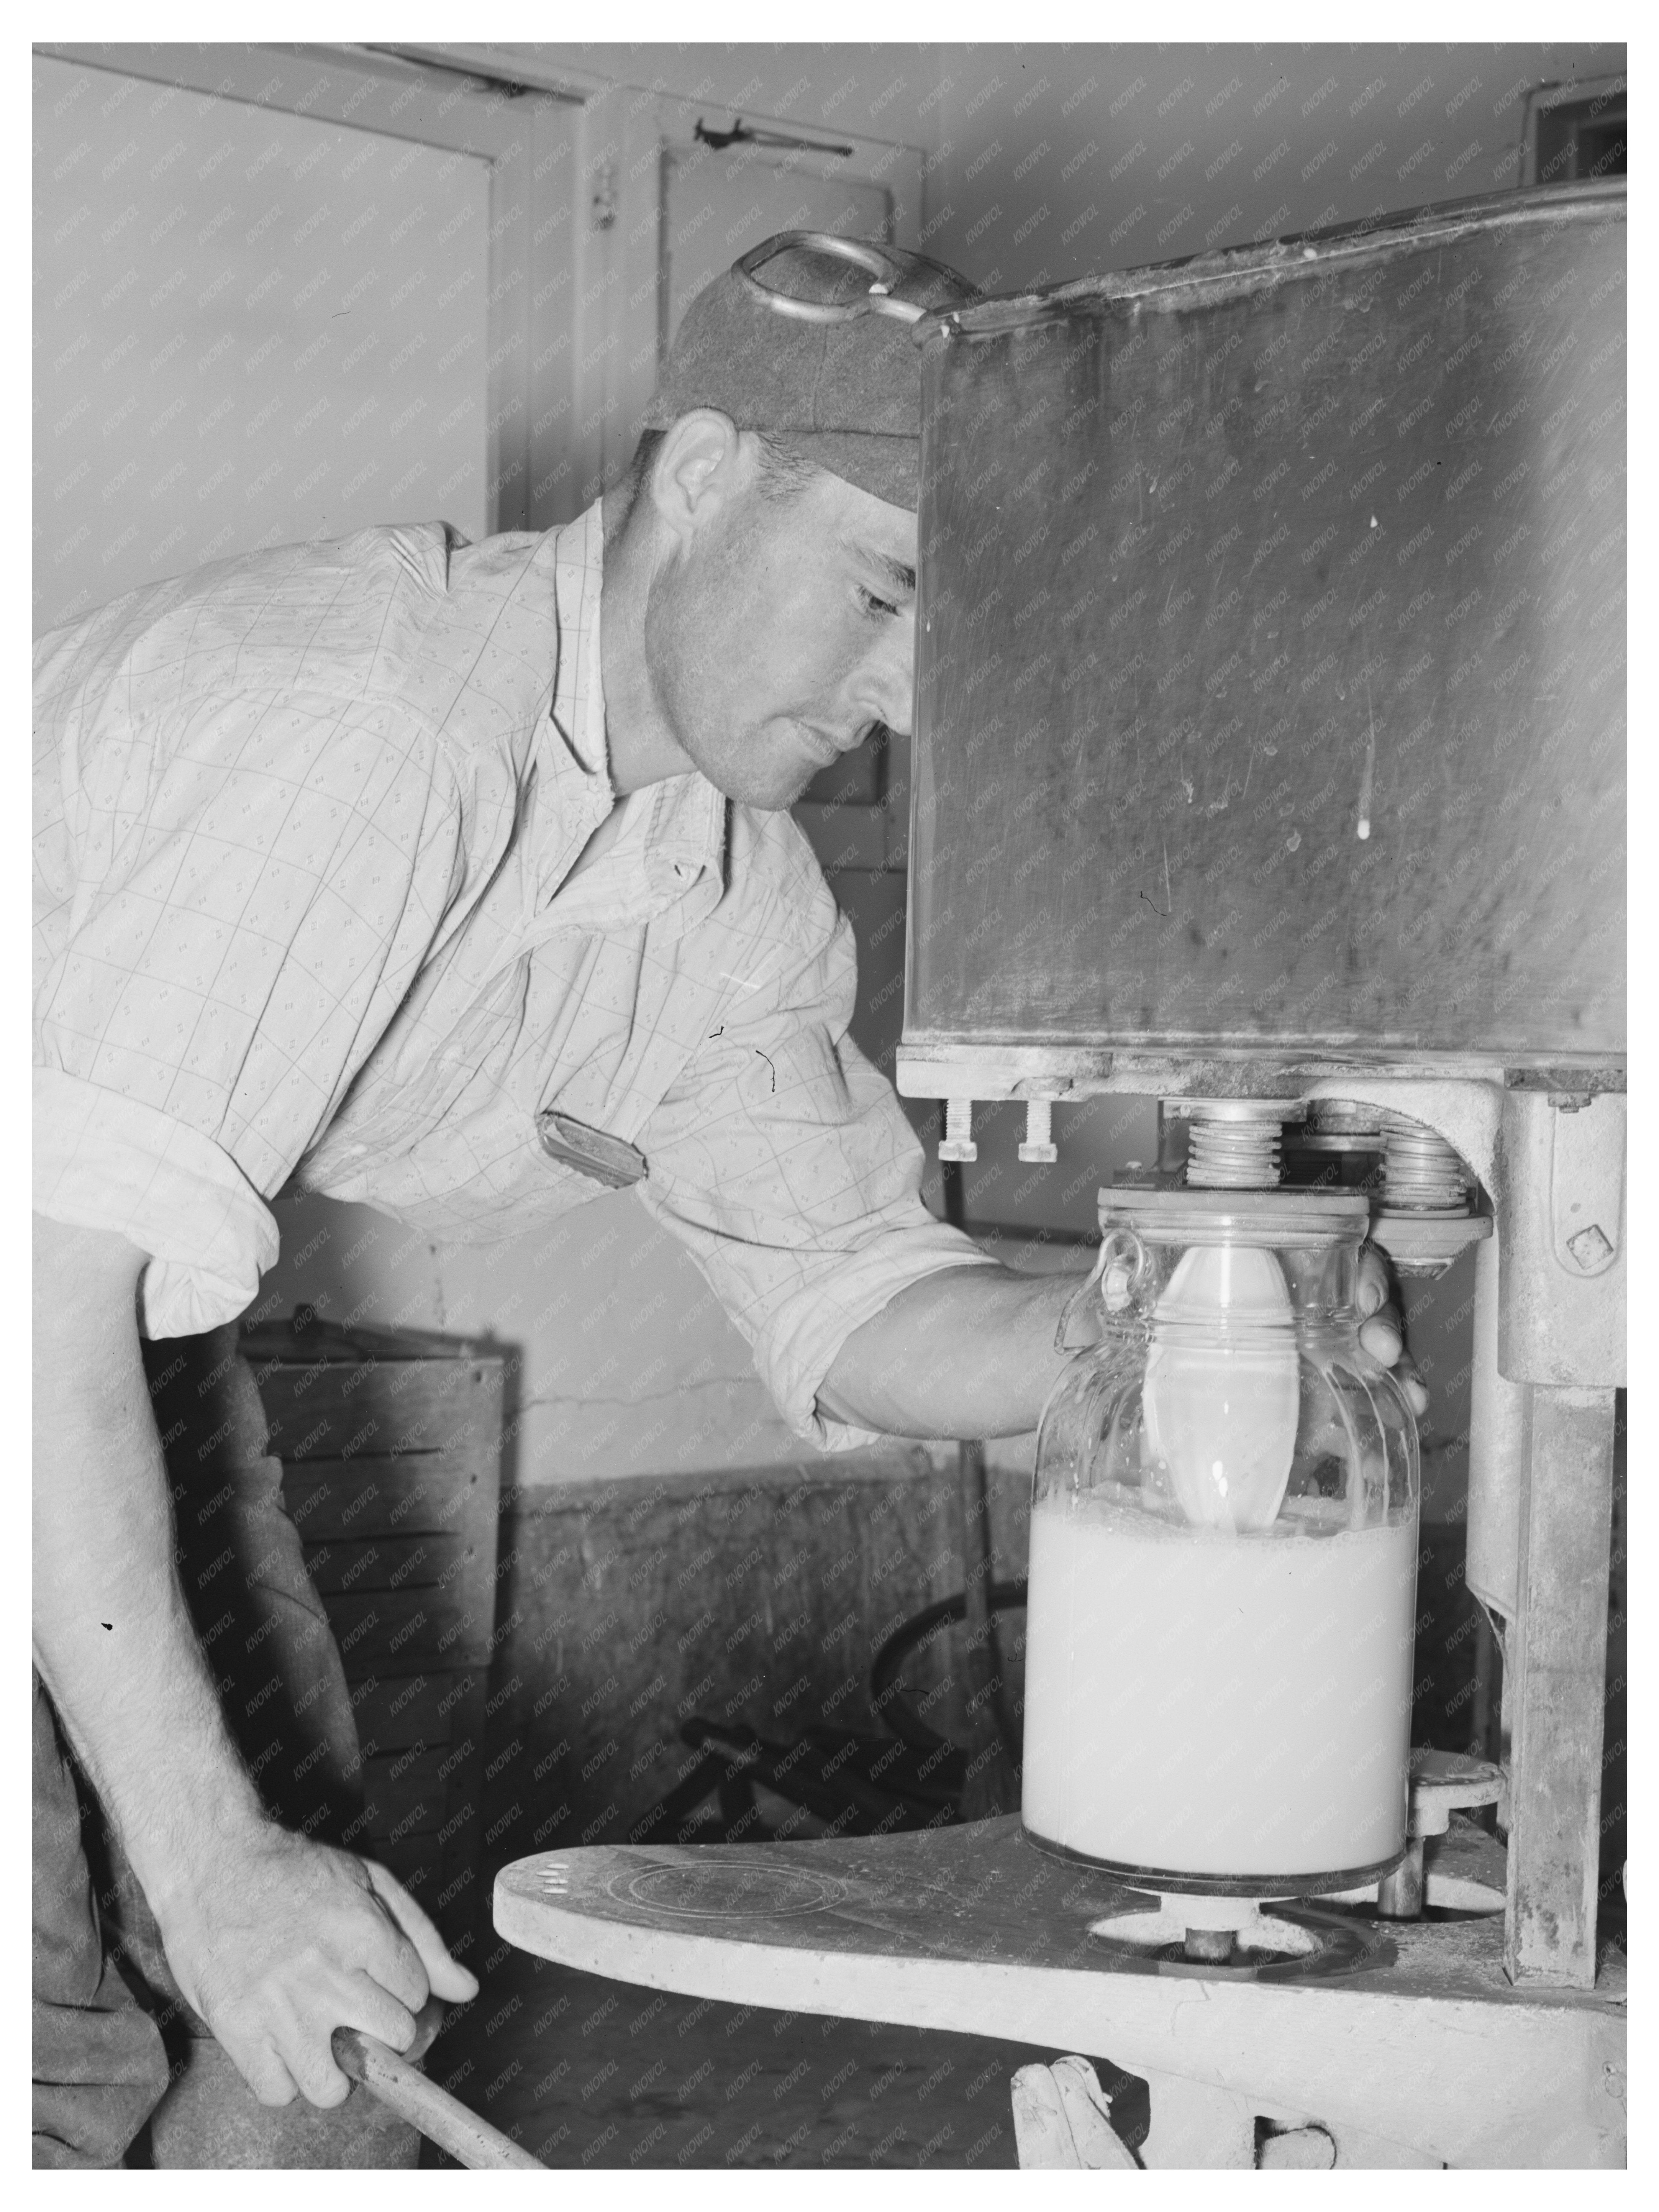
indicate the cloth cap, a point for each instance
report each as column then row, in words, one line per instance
column 845, row 393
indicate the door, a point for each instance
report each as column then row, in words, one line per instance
column 284, row 294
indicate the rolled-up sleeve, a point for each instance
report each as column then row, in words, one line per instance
column 232, row 898
column 105, row 1162
column 784, row 1162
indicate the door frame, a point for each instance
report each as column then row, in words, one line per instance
column 626, row 131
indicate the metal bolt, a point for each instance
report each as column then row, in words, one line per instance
column 1039, row 1148
column 1591, row 1248
column 958, row 1141
column 1214, row 1946
column 1400, row 1893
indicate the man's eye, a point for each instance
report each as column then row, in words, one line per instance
column 872, row 606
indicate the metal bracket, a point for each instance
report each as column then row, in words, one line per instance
column 1586, row 1185
column 1560, row 1197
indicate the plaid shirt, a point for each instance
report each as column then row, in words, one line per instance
column 305, row 828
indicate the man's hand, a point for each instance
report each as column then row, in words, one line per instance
column 970, row 1352
column 283, row 1941
column 277, row 1941
column 1381, row 1333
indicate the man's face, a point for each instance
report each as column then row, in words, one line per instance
column 782, row 632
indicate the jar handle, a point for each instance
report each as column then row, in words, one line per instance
column 1119, row 1249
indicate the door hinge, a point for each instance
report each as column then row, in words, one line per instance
column 602, row 208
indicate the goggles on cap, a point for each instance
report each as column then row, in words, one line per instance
column 807, row 339
column 888, row 265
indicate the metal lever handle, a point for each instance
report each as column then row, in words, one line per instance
column 889, row 265
column 386, row 2075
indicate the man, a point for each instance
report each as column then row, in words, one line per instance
column 360, row 862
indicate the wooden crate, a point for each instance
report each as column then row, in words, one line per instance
column 390, row 1450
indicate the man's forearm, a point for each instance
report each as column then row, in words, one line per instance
column 970, row 1352
column 112, row 1637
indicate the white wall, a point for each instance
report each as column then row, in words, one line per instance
column 625, row 1363
column 1046, row 162
column 1066, row 161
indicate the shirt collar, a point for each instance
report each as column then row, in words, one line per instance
column 676, row 830
column 578, row 709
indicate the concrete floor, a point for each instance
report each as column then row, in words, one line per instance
column 587, row 2073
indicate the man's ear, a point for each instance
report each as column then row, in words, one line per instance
column 696, row 471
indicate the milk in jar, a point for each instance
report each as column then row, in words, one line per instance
column 1220, row 1706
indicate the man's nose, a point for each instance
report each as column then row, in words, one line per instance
column 887, row 679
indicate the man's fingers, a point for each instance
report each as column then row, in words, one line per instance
column 1412, row 1384
column 312, row 2064
column 1372, row 1288
column 396, row 1964
column 451, row 1980
column 447, row 1977
column 305, row 2043
column 1383, row 1336
column 369, row 2008
column 263, row 2069
column 296, row 2056
column 1381, row 1333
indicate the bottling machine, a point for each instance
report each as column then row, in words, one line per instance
column 1268, row 763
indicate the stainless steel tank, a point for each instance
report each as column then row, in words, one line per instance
column 1271, row 679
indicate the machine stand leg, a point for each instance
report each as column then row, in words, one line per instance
column 1555, row 1685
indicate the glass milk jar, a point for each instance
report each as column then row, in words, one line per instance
column 1224, row 1556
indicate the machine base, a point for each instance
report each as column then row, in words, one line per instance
column 1434, row 2058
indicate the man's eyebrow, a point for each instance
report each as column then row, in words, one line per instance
column 899, row 574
